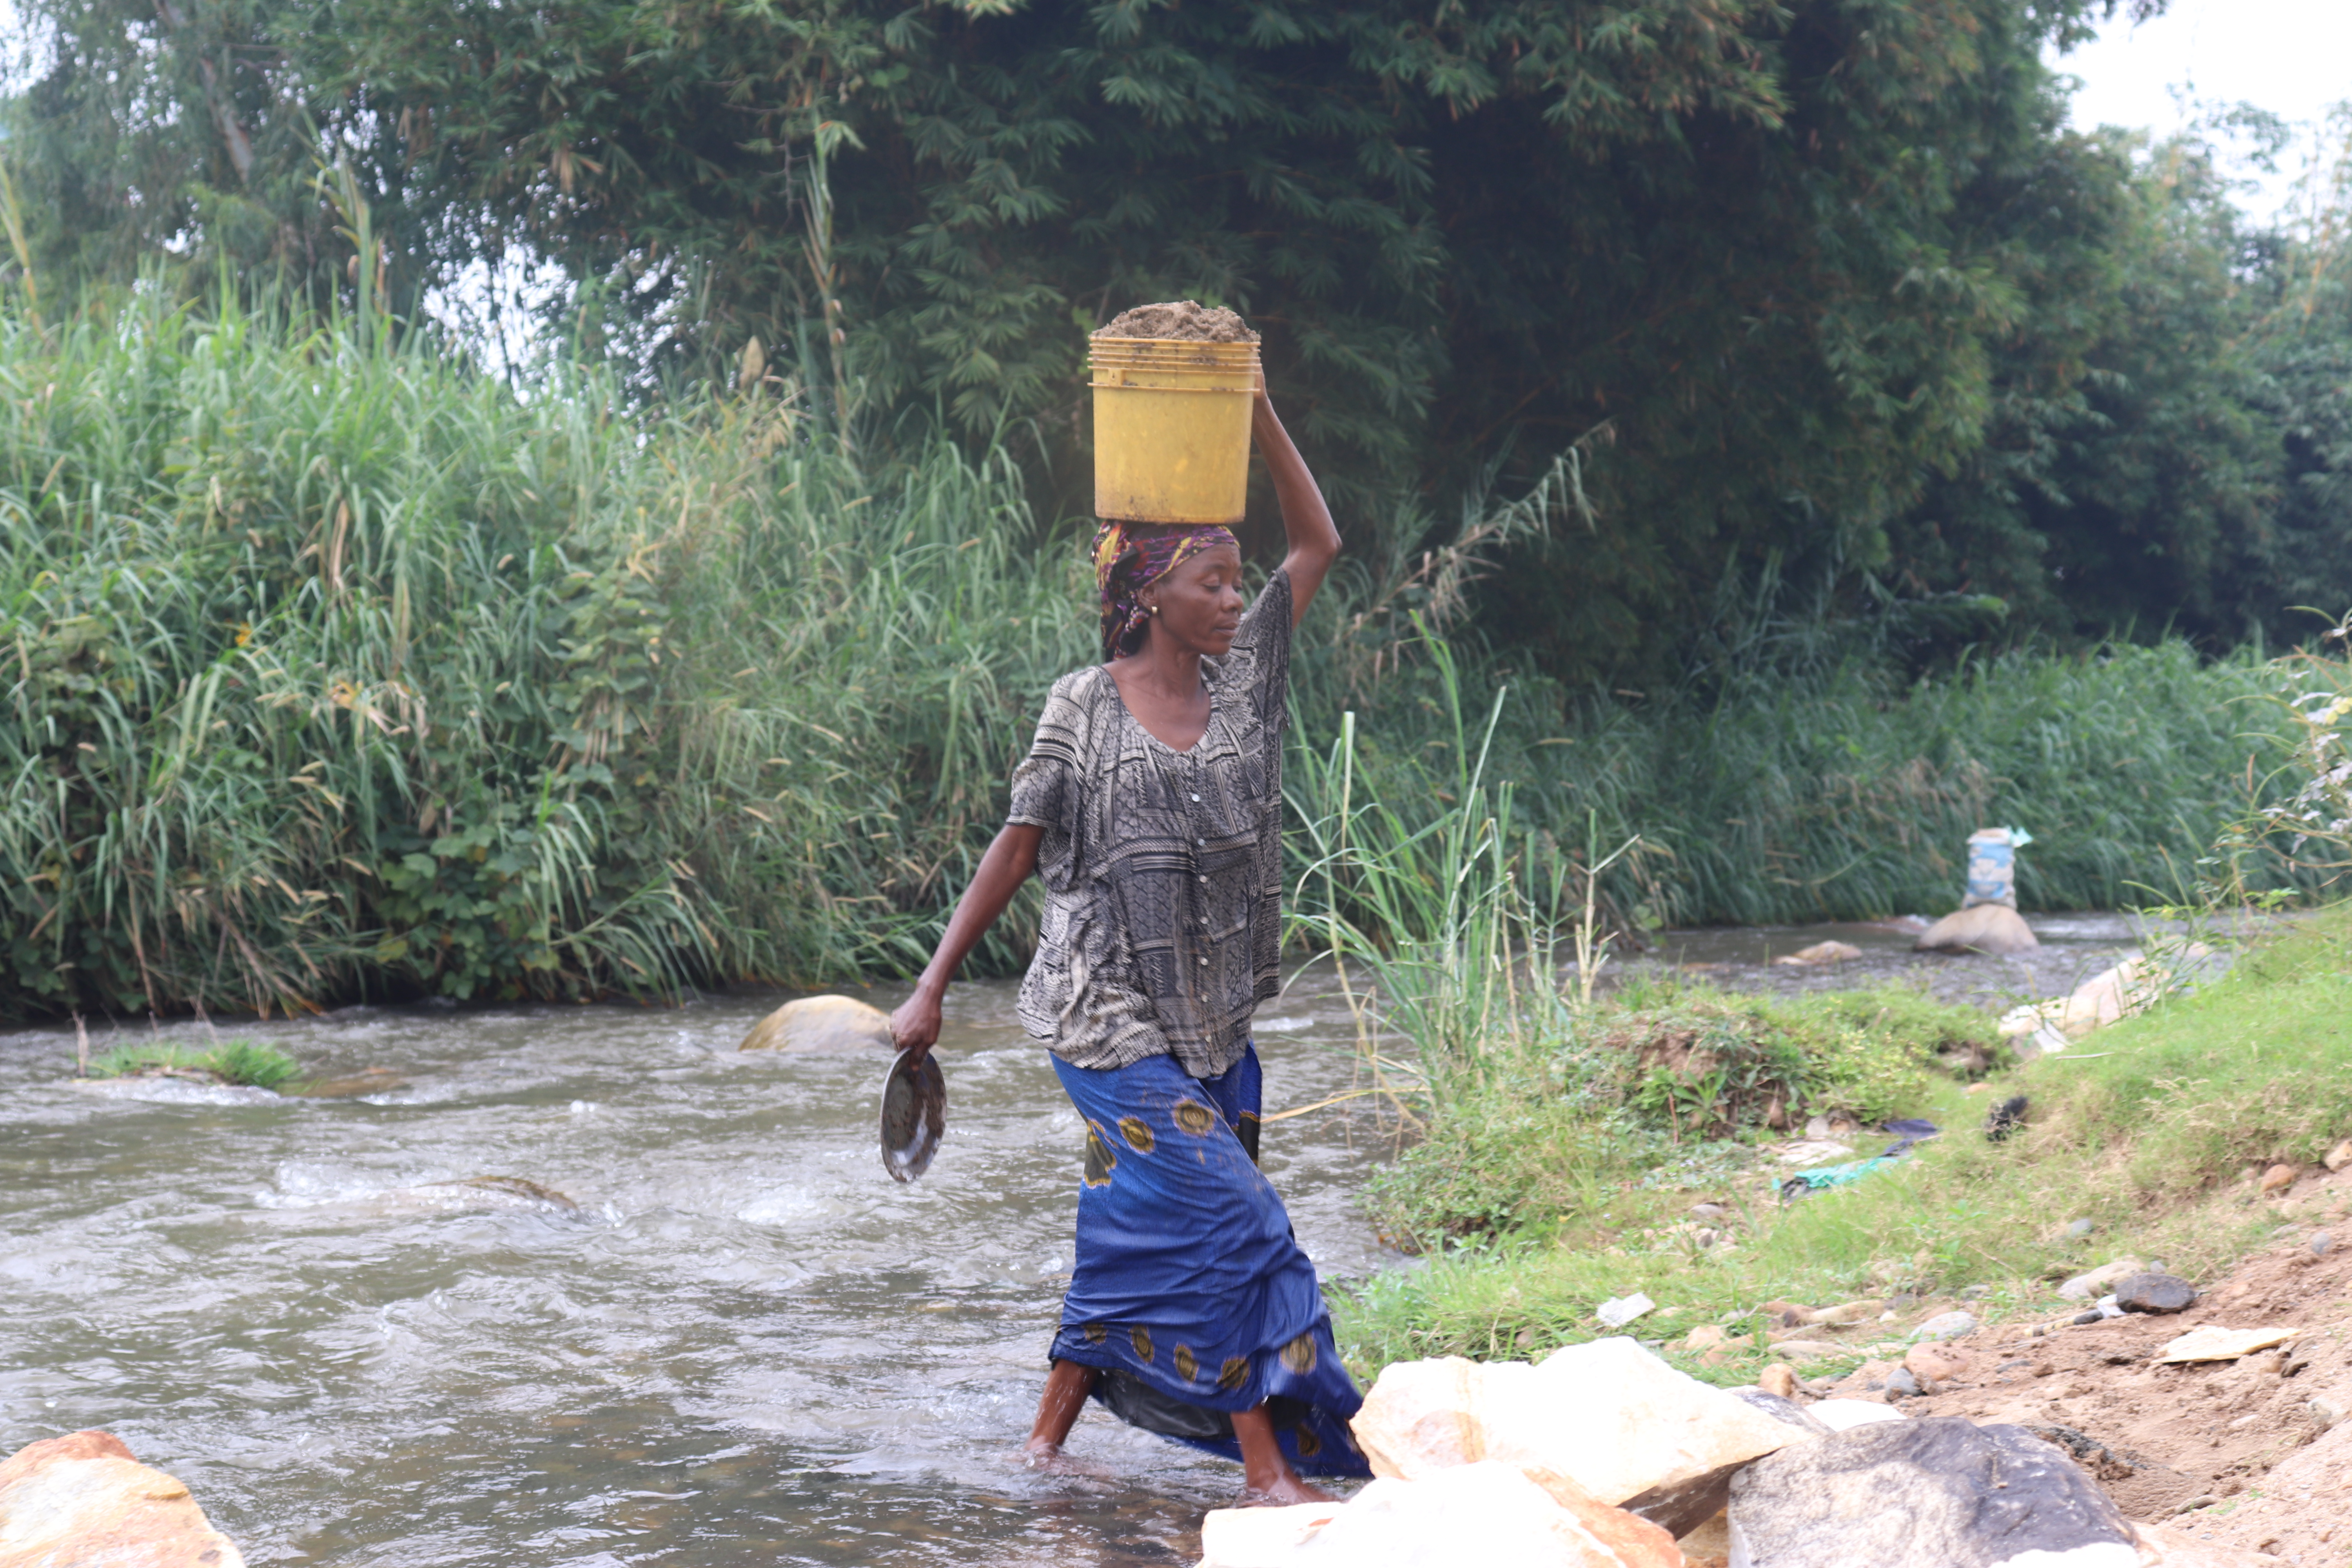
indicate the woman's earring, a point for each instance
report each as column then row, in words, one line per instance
column 1150, row 609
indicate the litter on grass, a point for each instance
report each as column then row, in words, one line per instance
column 1910, row 1133
column 1619, row 1311
column 1805, row 1184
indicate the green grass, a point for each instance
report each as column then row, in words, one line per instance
column 244, row 1062
column 1662, row 1083
column 2146, row 1129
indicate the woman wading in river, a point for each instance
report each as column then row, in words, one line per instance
column 1152, row 806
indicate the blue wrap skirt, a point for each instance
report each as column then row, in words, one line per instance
column 1191, row 1294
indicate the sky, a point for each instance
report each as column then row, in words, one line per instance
column 2292, row 58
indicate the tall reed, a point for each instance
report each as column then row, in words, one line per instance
column 336, row 670
column 1444, row 957
column 1845, row 792
column 341, row 671
column 2311, row 827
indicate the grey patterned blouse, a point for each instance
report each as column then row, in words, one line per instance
column 1162, row 870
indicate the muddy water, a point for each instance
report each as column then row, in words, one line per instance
column 743, row 1343
column 746, row 1343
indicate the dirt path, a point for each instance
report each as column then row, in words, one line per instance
column 2254, row 1453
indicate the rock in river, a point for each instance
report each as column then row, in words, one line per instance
column 1822, row 952
column 1937, row 1493
column 474, row 1195
column 82, row 1501
column 1994, row 928
column 368, row 1080
column 821, row 1024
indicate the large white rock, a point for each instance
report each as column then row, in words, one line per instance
column 821, row 1024
column 1609, row 1415
column 1485, row 1513
column 1994, row 928
column 1423, row 1416
column 82, row 1501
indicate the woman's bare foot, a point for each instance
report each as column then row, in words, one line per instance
column 1267, row 1479
column 1048, row 1459
column 1066, row 1388
column 1286, row 1489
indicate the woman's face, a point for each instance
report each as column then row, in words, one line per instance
column 1200, row 603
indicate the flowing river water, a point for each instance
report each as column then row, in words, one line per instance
column 737, row 1342
column 746, row 1344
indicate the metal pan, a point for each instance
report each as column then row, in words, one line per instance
column 914, row 1115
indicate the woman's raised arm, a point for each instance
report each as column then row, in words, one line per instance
column 1306, row 521
column 1008, row 864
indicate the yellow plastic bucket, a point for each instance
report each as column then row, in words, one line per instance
column 1171, row 428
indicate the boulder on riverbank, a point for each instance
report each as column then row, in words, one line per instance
column 1609, row 1415
column 1837, row 1482
column 1936, row 1492
column 82, row 1501
column 1485, row 1512
column 821, row 1024
column 1994, row 930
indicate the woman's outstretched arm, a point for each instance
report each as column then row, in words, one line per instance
column 1305, row 520
column 1008, row 863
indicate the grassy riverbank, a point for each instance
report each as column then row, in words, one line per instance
column 2147, row 1131
column 339, row 671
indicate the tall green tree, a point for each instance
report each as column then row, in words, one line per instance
column 2169, row 440
column 2301, row 558
column 1798, row 281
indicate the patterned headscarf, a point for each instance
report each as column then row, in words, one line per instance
column 1131, row 556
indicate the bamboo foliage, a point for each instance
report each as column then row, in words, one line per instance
column 340, row 671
